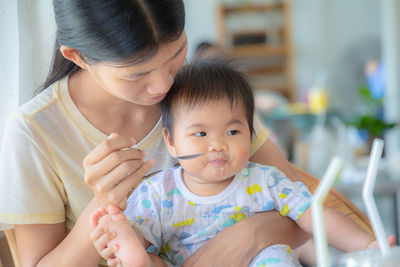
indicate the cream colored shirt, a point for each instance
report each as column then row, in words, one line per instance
column 41, row 172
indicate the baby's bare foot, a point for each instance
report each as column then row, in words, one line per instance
column 112, row 216
column 131, row 251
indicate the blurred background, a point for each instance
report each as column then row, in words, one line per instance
column 326, row 80
column 325, row 75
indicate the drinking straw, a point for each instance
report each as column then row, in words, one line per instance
column 367, row 193
column 321, row 246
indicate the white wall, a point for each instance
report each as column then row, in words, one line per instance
column 200, row 22
column 9, row 56
column 27, row 35
column 36, row 37
column 391, row 57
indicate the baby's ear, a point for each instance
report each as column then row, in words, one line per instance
column 169, row 142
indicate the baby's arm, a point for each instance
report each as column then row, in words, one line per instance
column 113, row 235
column 342, row 233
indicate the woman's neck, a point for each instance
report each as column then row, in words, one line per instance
column 109, row 113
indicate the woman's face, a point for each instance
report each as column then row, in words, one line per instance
column 145, row 83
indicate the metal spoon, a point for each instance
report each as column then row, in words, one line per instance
column 192, row 156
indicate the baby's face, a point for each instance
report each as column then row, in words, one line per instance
column 219, row 131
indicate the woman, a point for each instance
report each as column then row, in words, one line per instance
column 114, row 61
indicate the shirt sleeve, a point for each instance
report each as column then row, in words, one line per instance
column 30, row 190
column 290, row 198
column 143, row 210
column 259, row 137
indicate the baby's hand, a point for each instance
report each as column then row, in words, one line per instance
column 374, row 244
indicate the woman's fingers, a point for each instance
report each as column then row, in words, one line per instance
column 119, row 193
column 115, row 176
column 114, row 189
column 112, row 161
column 113, row 143
column 115, row 186
column 135, row 177
column 112, row 171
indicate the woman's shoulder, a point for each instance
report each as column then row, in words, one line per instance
column 40, row 102
column 37, row 117
column 21, row 122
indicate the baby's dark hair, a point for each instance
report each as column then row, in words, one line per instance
column 205, row 81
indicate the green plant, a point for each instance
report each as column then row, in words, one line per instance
column 371, row 120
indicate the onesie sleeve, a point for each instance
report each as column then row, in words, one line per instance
column 30, row 190
column 259, row 137
column 143, row 211
column 290, row 198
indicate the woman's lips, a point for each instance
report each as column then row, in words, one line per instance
column 158, row 98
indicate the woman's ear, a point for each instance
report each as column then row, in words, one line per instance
column 169, row 142
column 73, row 55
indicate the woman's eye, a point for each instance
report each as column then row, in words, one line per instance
column 233, row 132
column 135, row 79
column 200, row 134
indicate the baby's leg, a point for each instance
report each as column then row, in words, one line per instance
column 276, row 256
column 130, row 244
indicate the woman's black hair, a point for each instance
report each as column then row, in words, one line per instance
column 205, row 81
column 116, row 31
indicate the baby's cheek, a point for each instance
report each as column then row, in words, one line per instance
column 243, row 156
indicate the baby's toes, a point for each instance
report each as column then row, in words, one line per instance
column 121, row 217
column 112, row 209
column 105, row 220
column 94, row 220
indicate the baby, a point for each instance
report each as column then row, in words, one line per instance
column 210, row 110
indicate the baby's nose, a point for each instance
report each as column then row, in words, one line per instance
column 217, row 146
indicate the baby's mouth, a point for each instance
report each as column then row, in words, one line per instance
column 219, row 162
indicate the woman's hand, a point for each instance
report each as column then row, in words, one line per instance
column 239, row 244
column 230, row 247
column 112, row 172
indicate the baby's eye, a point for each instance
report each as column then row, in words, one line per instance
column 200, row 134
column 233, row 132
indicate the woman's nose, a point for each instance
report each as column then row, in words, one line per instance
column 160, row 84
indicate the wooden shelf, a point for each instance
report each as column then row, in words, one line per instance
column 256, row 50
column 263, row 42
column 281, row 88
column 252, row 8
column 266, row 70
